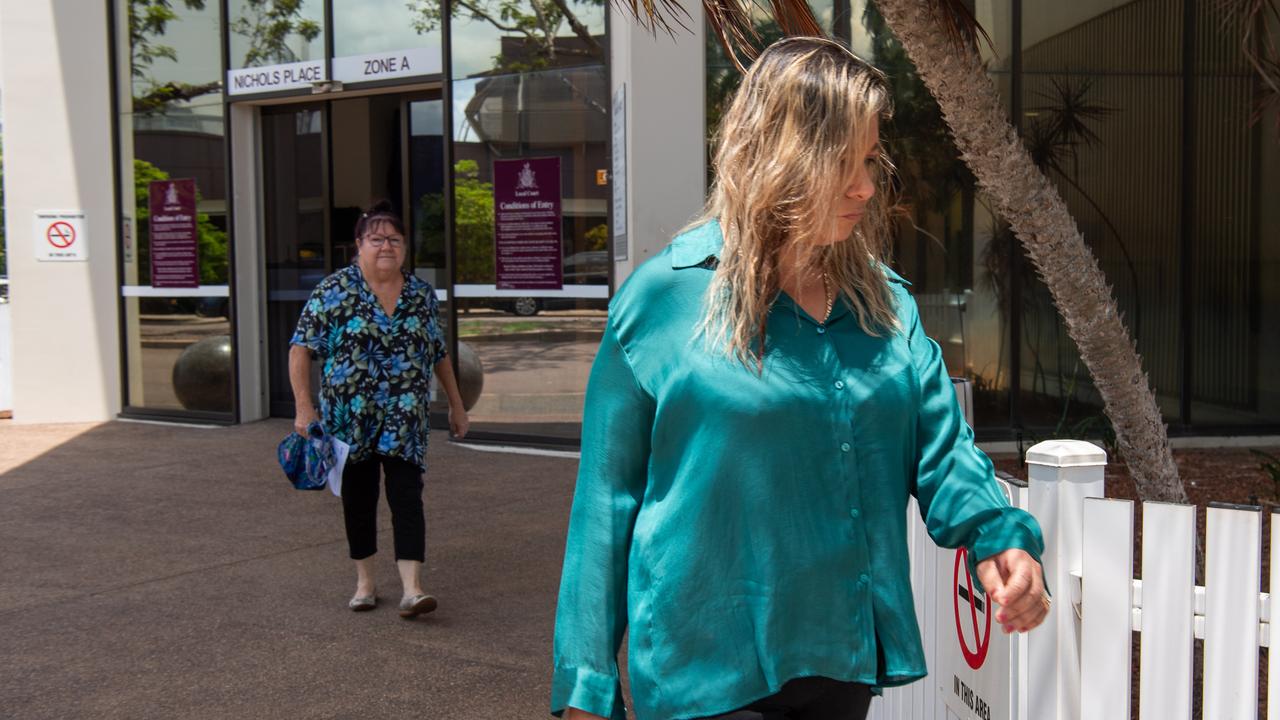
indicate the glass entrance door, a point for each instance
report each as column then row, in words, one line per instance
column 324, row 164
column 295, row 226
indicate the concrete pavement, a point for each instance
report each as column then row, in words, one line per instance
column 172, row 572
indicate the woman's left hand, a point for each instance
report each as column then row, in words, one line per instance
column 458, row 423
column 1014, row 580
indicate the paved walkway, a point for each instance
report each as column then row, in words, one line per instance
column 170, row 572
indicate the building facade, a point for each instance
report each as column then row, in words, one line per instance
column 179, row 175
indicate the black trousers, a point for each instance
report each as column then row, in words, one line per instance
column 810, row 698
column 404, row 495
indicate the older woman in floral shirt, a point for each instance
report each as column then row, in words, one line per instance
column 376, row 328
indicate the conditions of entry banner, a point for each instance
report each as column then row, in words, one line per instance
column 526, row 214
column 175, row 260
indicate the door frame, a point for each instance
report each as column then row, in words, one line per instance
column 247, row 207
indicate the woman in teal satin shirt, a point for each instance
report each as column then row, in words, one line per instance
column 763, row 404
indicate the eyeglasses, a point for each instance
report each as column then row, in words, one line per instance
column 378, row 241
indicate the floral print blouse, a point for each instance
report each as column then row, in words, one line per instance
column 376, row 377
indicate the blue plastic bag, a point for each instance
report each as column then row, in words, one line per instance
column 306, row 461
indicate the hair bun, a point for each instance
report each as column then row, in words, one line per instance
column 382, row 206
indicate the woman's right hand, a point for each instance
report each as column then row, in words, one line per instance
column 576, row 714
column 302, row 419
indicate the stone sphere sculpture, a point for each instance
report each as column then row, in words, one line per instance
column 470, row 375
column 202, row 375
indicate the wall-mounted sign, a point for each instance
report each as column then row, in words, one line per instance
column 971, row 671
column 60, row 236
column 175, row 260
column 126, row 238
column 289, row 76
column 387, row 65
column 618, row 174
column 526, row 214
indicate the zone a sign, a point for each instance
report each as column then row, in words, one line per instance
column 974, row 657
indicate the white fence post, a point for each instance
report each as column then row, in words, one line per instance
column 1061, row 474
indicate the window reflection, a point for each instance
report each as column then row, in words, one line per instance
column 494, row 36
column 1102, row 118
column 178, row 348
column 361, row 27
column 426, row 188
column 531, row 94
column 274, row 32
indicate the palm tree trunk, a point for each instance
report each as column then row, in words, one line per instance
column 1032, row 206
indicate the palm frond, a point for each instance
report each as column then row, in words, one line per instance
column 959, row 23
column 732, row 21
column 1069, row 110
column 1259, row 48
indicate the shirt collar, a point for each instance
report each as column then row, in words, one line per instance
column 695, row 247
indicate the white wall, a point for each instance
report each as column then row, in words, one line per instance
column 665, row 92
column 57, row 155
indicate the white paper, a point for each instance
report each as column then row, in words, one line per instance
column 340, row 451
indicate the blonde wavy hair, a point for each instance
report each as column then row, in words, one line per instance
column 803, row 114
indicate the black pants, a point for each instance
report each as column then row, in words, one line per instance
column 404, row 495
column 811, row 698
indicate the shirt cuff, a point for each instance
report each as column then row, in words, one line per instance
column 585, row 689
column 1013, row 529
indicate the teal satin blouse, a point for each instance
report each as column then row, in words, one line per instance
column 751, row 529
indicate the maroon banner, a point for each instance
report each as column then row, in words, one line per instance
column 526, row 214
column 175, row 259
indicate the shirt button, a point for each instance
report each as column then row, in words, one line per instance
column 844, row 447
column 853, row 513
column 839, row 384
column 821, row 330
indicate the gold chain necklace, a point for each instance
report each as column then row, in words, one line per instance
column 828, row 294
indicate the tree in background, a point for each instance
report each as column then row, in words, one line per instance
column 538, row 22
column 472, row 226
column 211, row 241
column 148, row 20
column 267, row 24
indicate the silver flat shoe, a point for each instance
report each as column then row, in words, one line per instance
column 415, row 605
column 361, row 603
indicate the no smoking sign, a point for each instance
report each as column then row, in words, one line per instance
column 974, row 658
column 976, row 607
column 60, row 236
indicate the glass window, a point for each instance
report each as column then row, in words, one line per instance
column 362, row 27
column 1234, row 300
column 1101, row 114
column 483, row 41
column 426, row 187
column 178, row 345
column 534, row 107
column 275, row 32
column 1266, row 302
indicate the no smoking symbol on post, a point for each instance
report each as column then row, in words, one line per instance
column 61, row 235
column 977, row 604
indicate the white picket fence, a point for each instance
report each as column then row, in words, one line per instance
column 1078, row 664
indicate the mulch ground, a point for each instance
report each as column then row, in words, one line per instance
column 1228, row 475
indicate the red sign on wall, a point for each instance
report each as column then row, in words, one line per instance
column 526, row 213
column 175, row 257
